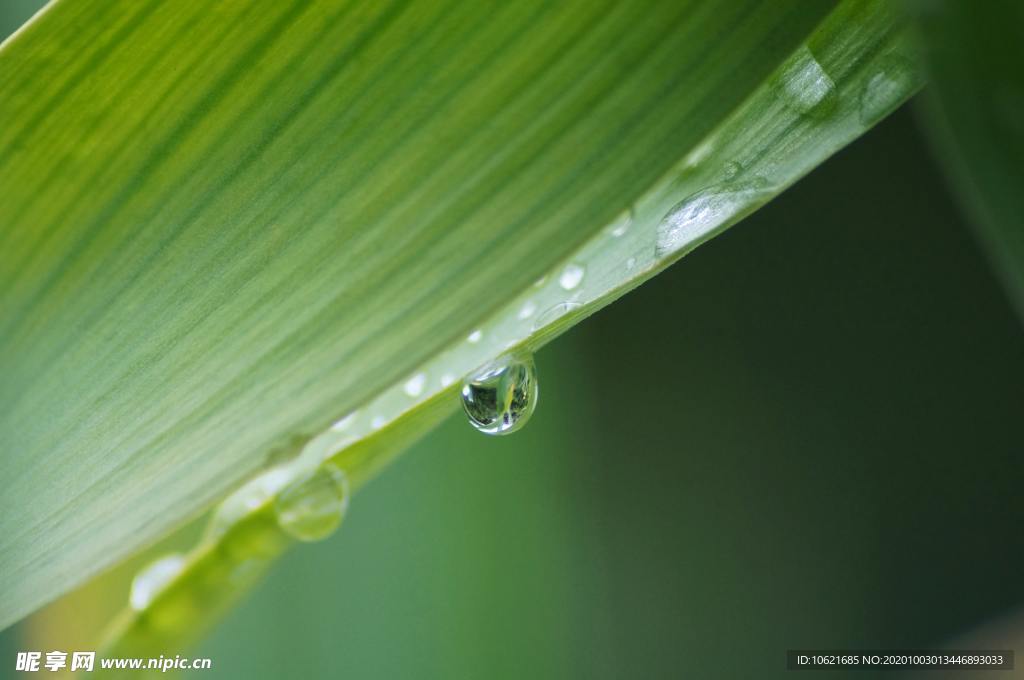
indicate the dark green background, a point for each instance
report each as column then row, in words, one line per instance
column 805, row 434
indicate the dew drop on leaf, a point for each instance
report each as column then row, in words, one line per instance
column 571, row 276
column 886, row 88
column 311, row 508
column 500, row 397
column 554, row 312
column 414, row 385
column 805, row 87
column 622, row 225
column 699, row 214
column 153, row 578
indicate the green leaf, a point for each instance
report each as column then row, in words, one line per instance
column 227, row 227
column 975, row 52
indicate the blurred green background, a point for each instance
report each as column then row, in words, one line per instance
column 806, row 434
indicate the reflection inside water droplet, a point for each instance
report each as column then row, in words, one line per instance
column 153, row 578
column 500, row 397
column 805, row 87
column 312, row 508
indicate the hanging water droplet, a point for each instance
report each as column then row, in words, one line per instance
column 805, row 87
column 554, row 312
column 500, row 397
column 312, row 507
column 887, row 88
column 152, row 579
column 414, row 385
column 699, row 214
column 571, row 276
column 475, row 336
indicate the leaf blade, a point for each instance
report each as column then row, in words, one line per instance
column 577, row 194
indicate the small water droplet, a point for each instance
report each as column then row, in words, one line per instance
column 699, row 153
column 250, row 497
column 571, row 276
column 378, row 422
column 630, row 263
column 475, row 336
column 529, row 307
column 805, row 86
column 447, row 379
column 887, row 88
column 554, row 312
column 620, row 227
column 540, row 282
column 731, row 169
column 414, row 385
column 699, row 214
column 153, row 578
column 312, row 507
column 500, row 397
column 344, row 423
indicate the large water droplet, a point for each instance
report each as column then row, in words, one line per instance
column 499, row 398
column 886, row 89
column 805, row 87
column 312, row 507
column 153, row 578
column 705, row 210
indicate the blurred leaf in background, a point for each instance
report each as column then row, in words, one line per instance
column 976, row 115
